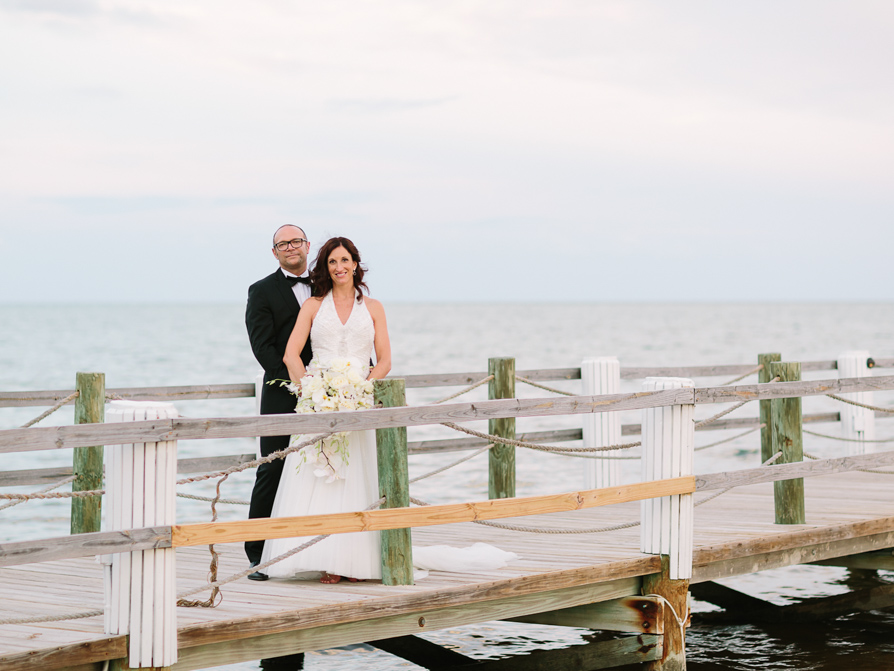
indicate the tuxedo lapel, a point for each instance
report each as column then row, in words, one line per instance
column 286, row 290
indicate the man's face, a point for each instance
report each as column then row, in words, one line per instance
column 294, row 257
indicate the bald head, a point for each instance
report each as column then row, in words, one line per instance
column 290, row 247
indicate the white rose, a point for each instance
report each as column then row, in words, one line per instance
column 354, row 377
column 339, row 365
column 338, row 382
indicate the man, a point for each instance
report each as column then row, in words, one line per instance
column 273, row 305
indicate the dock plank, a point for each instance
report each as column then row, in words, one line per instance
column 846, row 513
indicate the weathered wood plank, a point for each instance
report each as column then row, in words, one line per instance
column 743, row 556
column 776, row 472
column 65, row 656
column 377, row 520
column 61, row 437
column 10, row 399
column 291, row 632
column 632, row 614
column 84, row 545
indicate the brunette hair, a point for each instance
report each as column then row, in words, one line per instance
column 319, row 275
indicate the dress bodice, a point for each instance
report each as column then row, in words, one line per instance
column 353, row 340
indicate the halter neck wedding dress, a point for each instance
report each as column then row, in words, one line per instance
column 353, row 555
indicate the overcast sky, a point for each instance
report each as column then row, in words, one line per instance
column 474, row 151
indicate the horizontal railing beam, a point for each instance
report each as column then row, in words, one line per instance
column 247, row 390
column 109, row 542
column 64, row 437
column 799, row 469
column 41, row 476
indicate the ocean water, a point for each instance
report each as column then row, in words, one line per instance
column 42, row 347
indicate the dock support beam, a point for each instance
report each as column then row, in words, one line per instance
column 394, row 485
column 786, row 437
column 667, row 522
column 763, row 376
column 501, row 458
column 602, row 375
column 87, row 461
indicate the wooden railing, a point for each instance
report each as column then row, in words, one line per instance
column 664, row 488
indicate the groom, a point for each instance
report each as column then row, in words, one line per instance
column 273, row 305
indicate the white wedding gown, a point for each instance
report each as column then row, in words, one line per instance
column 300, row 492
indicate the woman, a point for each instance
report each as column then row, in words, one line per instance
column 344, row 327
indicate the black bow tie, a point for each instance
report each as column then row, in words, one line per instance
column 294, row 280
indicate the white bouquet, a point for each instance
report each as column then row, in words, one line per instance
column 340, row 386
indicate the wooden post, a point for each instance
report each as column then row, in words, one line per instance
column 501, row 458
column 602, row 375
column 764, row 376
column 140, row 591
column 87, row 461
column 857, row 423
column 786, row 437
column 666, row 529
column 394, row 485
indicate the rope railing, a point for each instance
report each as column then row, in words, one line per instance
column 543, row 386
column 50, row 488
column 743, row 376
column 536, row 446
column 464, row 391
column 49, row 412
column 876, row 408
column 849, row 440
column 54, row 495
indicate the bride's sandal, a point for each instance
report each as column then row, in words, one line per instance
column 330, row 579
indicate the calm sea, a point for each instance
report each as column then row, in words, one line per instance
column 42, row 347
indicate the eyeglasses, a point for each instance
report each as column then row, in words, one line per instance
column 285, row 244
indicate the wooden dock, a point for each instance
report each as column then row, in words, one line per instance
column 631, row 582
column 848, row 514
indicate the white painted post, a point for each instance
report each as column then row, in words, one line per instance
column 602, row 375
column 856, row 423
column 259, row 387
column 668, row 451
column 141, row 591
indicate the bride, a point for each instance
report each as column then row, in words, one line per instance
column 344, row 327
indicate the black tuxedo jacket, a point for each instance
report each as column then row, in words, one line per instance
column 270, row 317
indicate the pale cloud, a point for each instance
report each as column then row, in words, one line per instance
column 693, row 129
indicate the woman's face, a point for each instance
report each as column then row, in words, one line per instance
column 341, row 266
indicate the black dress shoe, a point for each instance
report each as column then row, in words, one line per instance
column 257, row 575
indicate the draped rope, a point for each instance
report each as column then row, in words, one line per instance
column 536, row 446
column 16, row 502
column 876, row 408
column 49, row 412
